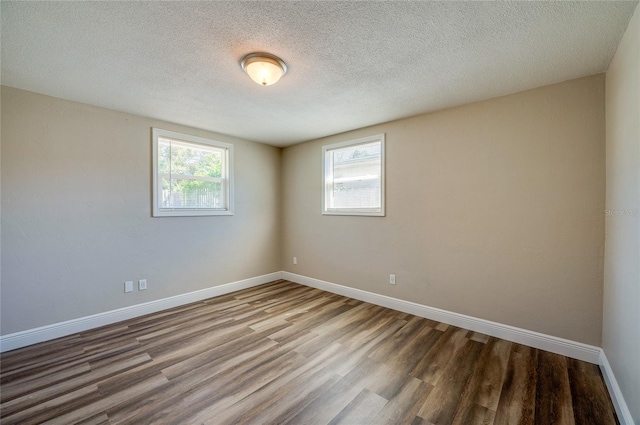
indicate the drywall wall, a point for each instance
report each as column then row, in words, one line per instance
column 621, row 321
column 494, row 210
column 76, row 214
column 0, row 205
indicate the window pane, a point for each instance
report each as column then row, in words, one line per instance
column 193, row 176
column 164, row 157
column 182, row 193
column 360, row 194
column 356, row 176
column 196, row 161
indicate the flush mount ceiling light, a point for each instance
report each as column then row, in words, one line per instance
column 263, row 68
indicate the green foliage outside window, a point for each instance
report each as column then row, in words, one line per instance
column 182, row 163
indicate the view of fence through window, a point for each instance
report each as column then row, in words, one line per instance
column 356, row 172
column 191, row 175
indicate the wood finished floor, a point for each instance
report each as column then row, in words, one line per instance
column 285, row 353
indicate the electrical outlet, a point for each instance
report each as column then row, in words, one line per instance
column 128, row 286
column 295, row 260
column 392, row 279
column 142, row 284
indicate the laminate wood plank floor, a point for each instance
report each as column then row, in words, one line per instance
column 283, row 353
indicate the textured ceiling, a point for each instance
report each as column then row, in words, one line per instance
column 351, row 64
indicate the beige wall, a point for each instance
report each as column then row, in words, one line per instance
column 621, row 327
column 76, row 219
column 494, row 210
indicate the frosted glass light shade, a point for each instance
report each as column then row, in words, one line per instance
column 263, row 68
column 264, row 73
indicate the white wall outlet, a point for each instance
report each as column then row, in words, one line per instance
column 128, row 286
column 142, row 284
column 295, row 260
column 392, row 279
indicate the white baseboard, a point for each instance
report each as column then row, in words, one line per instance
column 538, row 340
column 57, row 330
column 622, row 410
column 565, row 347
column 533, row 339
column 554, row 344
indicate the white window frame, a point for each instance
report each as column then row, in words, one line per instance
column 227, row 178
column 327, row 179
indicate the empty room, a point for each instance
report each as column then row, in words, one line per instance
column 301, row 212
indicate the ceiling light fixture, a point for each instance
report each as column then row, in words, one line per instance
column 263, row 68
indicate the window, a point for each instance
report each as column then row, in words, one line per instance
column 354, row 177
column 191, row 175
